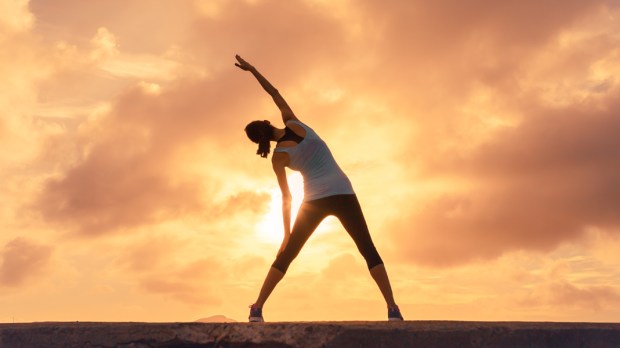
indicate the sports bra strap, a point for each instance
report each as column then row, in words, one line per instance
column 289, row 135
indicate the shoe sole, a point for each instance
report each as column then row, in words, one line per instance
column 395, row 319
column 256, row 320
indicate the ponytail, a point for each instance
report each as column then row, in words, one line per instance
column 264, row 147
column 260, row 132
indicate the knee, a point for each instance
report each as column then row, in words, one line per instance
column 372, row 257
column 283, row 261
column 280, row 266
column 374, row 263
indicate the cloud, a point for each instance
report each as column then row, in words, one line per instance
column 284, row 38
column 128, row 168
column 22, row 68
column 125, row 171
column 463, row 33
column 104, row 44
column 563, row 294
column 153, row 253
column 105, row 193
column 514, row 134
column 22, row 261
column 432, row 58
column 245, row 202
column 191, row 283
column 14, row 17
column 176, row 265
column 136, row 24
column 573, row 284
column 531, row 187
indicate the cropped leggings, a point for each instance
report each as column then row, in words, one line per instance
column 347, row 209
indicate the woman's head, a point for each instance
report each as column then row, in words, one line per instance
column 260, row 132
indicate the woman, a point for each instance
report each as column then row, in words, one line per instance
column 327, row 191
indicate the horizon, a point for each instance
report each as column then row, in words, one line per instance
column 482, row 140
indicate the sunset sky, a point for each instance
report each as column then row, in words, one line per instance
column 482, row 138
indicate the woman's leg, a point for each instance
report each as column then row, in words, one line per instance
column 273, row 278
column 349, row 212
column 379, row 274
column 308, row 218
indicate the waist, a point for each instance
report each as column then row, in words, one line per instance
column 327, row 185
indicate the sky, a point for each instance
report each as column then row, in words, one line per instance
column 482, row 139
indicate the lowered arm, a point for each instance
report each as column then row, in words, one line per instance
column 279, row 162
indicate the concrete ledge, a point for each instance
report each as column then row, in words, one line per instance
column 311, row 334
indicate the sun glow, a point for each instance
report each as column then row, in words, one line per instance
column 271, row 227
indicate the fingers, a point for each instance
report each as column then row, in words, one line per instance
column 242, row 63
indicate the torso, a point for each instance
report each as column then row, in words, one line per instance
column 313, row 159
column 297, row 129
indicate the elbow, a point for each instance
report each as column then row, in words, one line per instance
column 286, row 206
column 287, row 198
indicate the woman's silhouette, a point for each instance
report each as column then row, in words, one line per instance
column 327, row 191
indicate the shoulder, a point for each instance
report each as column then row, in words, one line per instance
column 289, row 116
column 294, row 122
column 297, row 127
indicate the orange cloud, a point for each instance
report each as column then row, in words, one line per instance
column 567, row 295
column 532, row 187
column 127, row 171
column 22, row 261
column 190, row 283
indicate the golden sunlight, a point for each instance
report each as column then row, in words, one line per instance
column 270, row 229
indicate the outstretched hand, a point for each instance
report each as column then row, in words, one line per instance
column 243, row 65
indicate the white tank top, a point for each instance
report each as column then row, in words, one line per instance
column 312, row 158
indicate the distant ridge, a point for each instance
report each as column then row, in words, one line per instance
column 216, row 319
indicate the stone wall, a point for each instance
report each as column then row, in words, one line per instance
column 311, row 334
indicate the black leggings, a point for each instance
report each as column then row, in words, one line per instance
column 347, row 209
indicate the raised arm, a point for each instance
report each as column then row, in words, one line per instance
column 287, row 113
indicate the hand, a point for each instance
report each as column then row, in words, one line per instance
column 284, row 243
column 243, row 65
